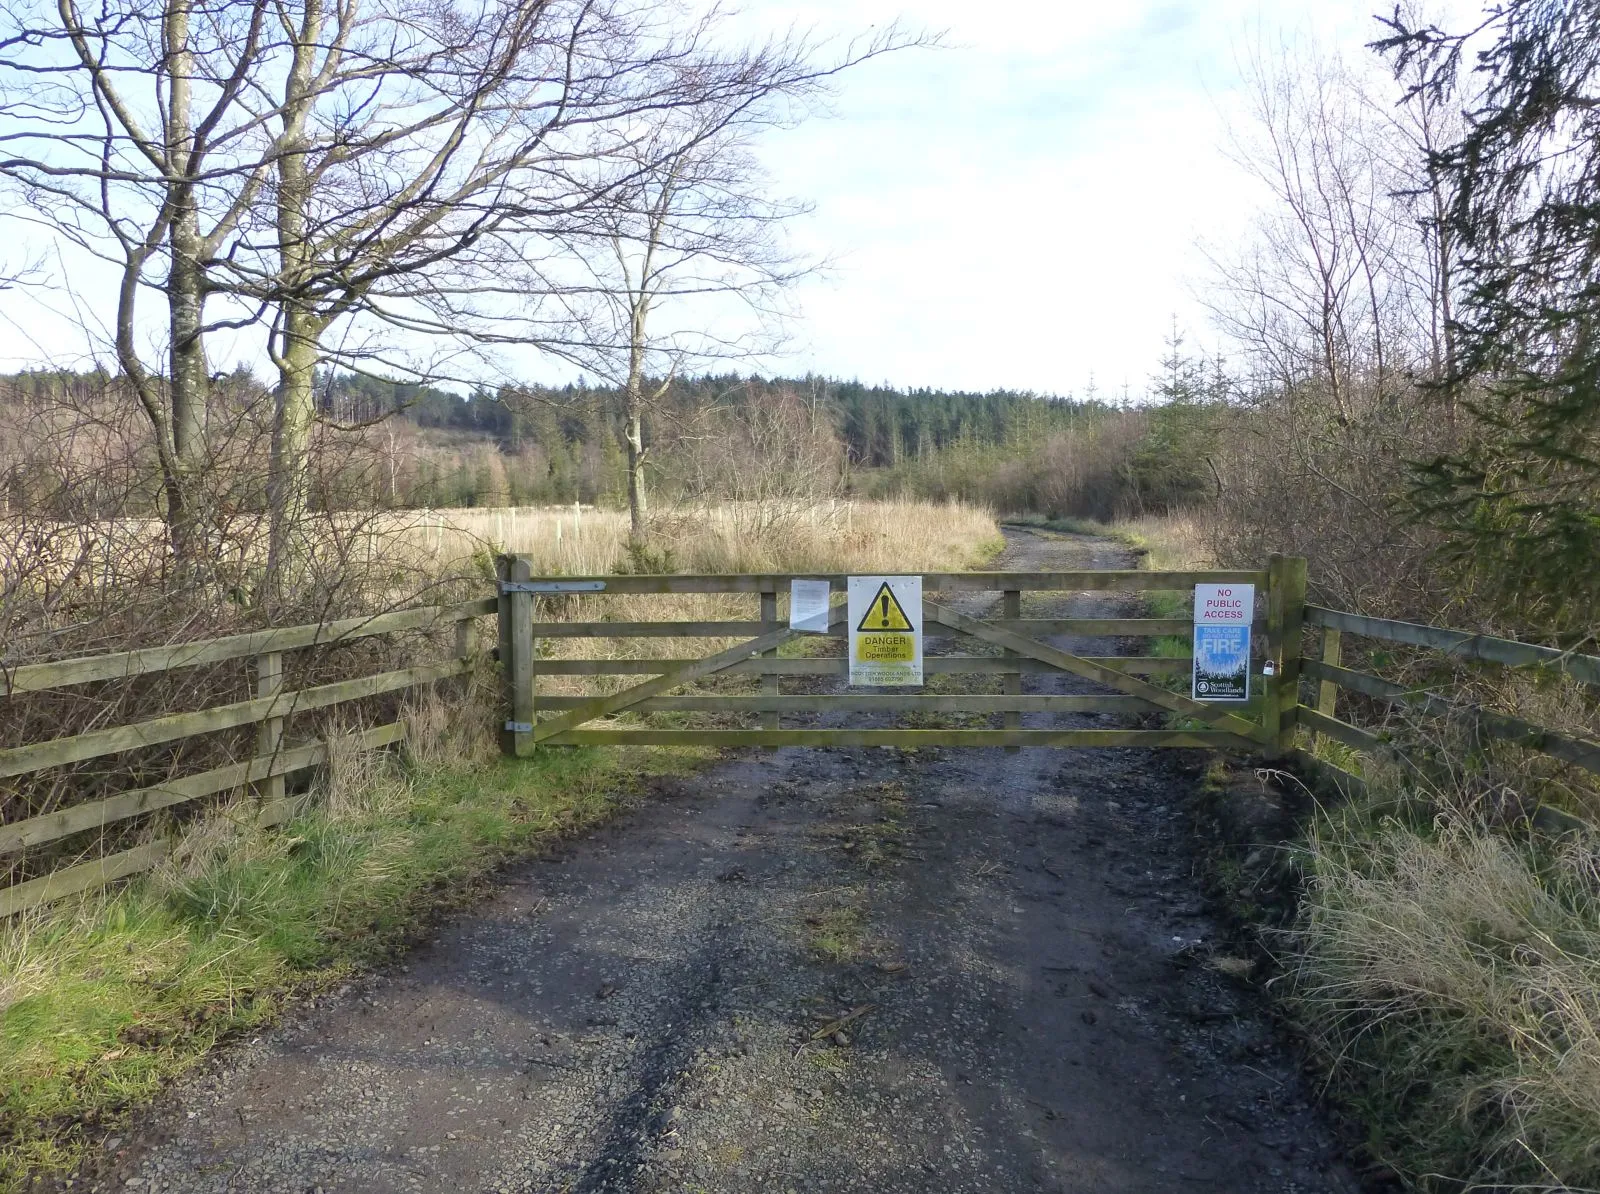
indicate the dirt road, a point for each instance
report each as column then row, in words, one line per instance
column 806, row 970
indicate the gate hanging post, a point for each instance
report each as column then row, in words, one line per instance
column 1294, row 620
column 769, row 682
column 1286, row 612
column 516, row 658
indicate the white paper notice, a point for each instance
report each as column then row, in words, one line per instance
column 808, row 606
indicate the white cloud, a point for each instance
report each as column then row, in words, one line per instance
column 1022, row 208
column 1017, row 209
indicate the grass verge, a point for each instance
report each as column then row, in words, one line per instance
column 104, row 1001
column 1448, row 978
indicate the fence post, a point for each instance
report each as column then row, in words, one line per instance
column 516, row 658
column 1011, row 682
column 269, row 734
column 466, row 638
column 1286, row 611
column 769, row 683
column 1328, row 691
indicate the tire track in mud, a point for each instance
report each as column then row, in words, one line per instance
column 805, row 970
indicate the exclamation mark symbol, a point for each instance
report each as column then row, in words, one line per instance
column 883, row 602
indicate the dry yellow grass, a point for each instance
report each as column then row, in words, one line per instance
column 902, row 536
column 1453, row 977
column 860, row 537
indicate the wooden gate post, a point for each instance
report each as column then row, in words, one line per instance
column 516, row 656
column 769, row 683
column 1286, row 612
column 269, row 735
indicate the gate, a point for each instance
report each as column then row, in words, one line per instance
column 1009, row 646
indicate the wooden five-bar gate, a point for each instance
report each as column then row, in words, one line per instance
column 1011, row 646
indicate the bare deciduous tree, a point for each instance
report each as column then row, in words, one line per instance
column 125, row 137
column 693, row 225
column 324, row 169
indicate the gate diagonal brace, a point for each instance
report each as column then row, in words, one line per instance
column 1078, row 666
column 699, row 669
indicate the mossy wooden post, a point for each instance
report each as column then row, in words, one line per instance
column 1270, row 720
column 1328, row 691
column 1286, row 612
column 1011, row 683
column 269, row 735
column 769, row 683
column 516, row 657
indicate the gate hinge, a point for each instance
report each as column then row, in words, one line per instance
column 519, row 727
column 552, row 586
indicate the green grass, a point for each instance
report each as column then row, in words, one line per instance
column 105, row 1000
column 1072, row 526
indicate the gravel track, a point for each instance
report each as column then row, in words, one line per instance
column 805, row 970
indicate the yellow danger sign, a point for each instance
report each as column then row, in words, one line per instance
column 885, row 614
column 885, row 618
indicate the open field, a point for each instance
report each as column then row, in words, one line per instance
column 729, row 537
column 571, row 540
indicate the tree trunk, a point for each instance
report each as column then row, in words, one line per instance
column 638, row 503
column 298, row 350
column 188, row 377
column 288, row 486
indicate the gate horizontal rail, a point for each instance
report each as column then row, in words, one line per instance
column 1104, row 627
column 1125, row 580
column 878, row 703
column 1134, row 665
column 911, row 739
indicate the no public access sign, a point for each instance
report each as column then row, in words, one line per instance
column 1222, row 617
column 885, row 614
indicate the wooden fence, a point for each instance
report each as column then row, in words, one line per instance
column 1433, row 701
column 269, row 711
column 1282, row 712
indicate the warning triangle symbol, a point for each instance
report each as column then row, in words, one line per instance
column 885, row 613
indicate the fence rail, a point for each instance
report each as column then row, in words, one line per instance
column 1456, row 646
column 1459, row 644
column 125, row 665
column 270, row 710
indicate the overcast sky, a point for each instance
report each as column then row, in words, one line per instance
column 1022, row 209
column 1019, row 209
